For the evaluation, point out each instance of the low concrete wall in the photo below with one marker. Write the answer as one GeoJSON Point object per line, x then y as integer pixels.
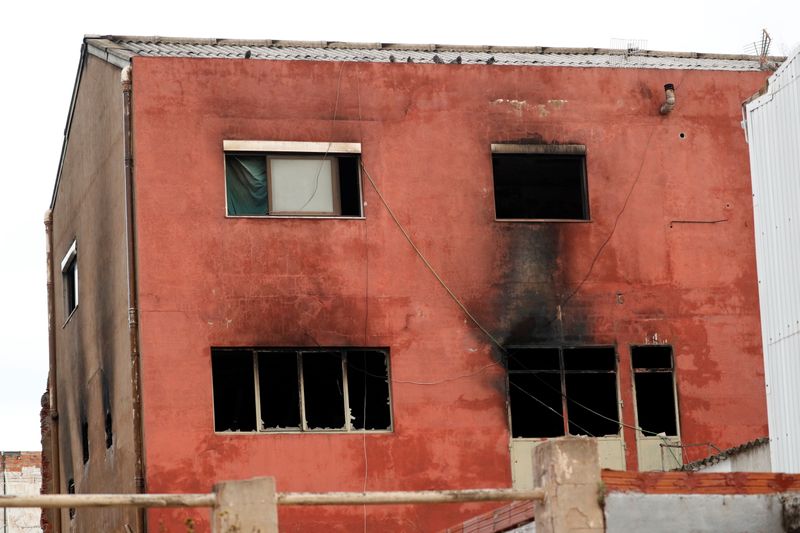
{"type": "Point", "coordinates": [700, 513]}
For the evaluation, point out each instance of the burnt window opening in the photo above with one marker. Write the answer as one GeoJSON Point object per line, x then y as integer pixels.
{"type": "Point", "coordinates": [71, 490]}
{"type": "Point", "coordinates": [368, 389]}
{"type": "Point", "coordinates": [292, 184]}
{"type": "Point", "coordinates": [554, 391]}
{"type": "Point", "coordinates": [69, 278]}
{"type": "Point", "coordinates": [234, 393]}
{"type": "Point", "coordinates": [654, 383]}
{"type": "Point", "coordinates": [109, 430]}
{"type": "Point", "coordinates": [298, 389]}
{"type": "Point", "coordinates": [540, 182]}
{"type": "Point", "coordinates": [85, 441]}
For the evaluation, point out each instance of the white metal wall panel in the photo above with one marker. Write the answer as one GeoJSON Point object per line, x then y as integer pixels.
{"type": "Point", "coordinates": [773, 131]}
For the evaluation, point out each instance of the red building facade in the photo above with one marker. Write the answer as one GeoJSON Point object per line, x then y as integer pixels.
{"type": "Point", "coordinates": [431, 311]}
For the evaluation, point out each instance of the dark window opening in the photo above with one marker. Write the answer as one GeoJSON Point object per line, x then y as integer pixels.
{"type": "Point", "coordinates": [551, 386]}
{"type": "Point", "coordinates": [234, 394]}
{"type": "Point", "coordinates": [536, 405]}
{"type": "Point", "coordinates": [534, 359]}
{"type": "Point", "coordinates": [71, 490]}
{"type": "Point", "coordinates": [592, 404]}
{"type": "Point", "coordinates": [279, 390]}
{"type": "Point", "coordinates": [652, 357]}
{"type": "Point", "coordinates": [321, 389]}
{"type": "Point", "coordinates": [85, 441]}
{"type": "Point", "coordinates": [262, 184]}
{"type": "Point", "coordinates": [654, 381]}
{"type": "Point", "coordinates": [541, 186]}
{"type": "Point", "coordinates": [590, 358]}
{"type": "Point", "coordinates": [69, 278]}
{"type": "Point", "coordinates": [368, 389]}
{"type": "Point", "coordinates": [109, 430]}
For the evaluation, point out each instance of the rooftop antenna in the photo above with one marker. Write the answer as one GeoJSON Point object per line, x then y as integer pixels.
{"type": "Point", "coordinates": [760, 48]}
{"type": "Point", "coordinates": [630, 47]}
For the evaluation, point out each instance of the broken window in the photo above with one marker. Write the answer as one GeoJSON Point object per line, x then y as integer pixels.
{"type": "Point", "coordinates": [85, 440]}
{"type": "Point", "coordinates": [71, 490]}
{"type": "Point", "coordinates": [654, 382]}
{"type": "Point", "coordinates": [292, 179]}
{"type": "Point", "coordinates": [69, 277]}
{"type": "Point", "coordinates": [555, 391]}
{"type": "Point", "coordinates": [109, 430]}
{"type": "Point", "coordinates": [299, 389]}
{"type": "Point", "coordinates": [540, 182]}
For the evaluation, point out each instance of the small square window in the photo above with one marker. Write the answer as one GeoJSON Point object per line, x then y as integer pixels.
{"type": "Point", "coordinates": [69, 277]}
{"type": "Point", "coordinates": [540, 182]}
{"type": "Point", "coordinates": [292, 179]}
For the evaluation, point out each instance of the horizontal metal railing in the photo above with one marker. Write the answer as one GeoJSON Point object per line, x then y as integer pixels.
{"type": "Point", "coordinates": [46, 501]}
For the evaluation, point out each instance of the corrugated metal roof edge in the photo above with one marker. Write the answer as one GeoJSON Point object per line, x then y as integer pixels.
{"type": "Point", "coordinates": [755, 101]}
{"type": "Point", "coordinates": [115, 46]}
{"type": "Point", "coordinates": [725, 454]}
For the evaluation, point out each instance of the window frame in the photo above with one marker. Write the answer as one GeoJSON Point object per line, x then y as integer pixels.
{"type": "Point", "coordinates": [304, 429]}
{"type": "Point", "coordinates": [544, 149]}
{"type": "Point", "coordinates": [69, 280]}
{"type": "Point", "coordinates": [659, 370]}
{"type": "Point", "coordinates": [562, 373]}
{"type": "Point", "coordinates": [299, 150]}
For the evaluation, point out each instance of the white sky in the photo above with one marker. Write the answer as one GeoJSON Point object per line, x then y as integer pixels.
{"type": "Point", "coordinates": [39, 57]}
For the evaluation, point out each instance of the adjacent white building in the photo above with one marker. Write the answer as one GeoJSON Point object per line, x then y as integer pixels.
{"type": "Point", "coordinates": [772, 125]}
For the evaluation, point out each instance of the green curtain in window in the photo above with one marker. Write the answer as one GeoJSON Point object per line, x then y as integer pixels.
{"type": "Point", "coordinates": [246, 184]}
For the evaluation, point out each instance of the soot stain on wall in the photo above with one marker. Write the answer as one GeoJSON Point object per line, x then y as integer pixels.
{"type": "Point", "coordinates": [530, 288]}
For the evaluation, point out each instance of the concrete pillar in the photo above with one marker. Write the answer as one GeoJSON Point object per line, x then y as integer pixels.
{"type": "Point", "coordinates": [568, 469]}
{"type": "Point", "coordinates": [246, 506]}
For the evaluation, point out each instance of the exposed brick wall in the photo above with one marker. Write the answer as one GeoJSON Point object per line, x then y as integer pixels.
{"type": "Point", "coordinates": [16, 461]}
{"type": "Point", "coordinates": [47, 474]}
{"type": "Point", "coordinates": [21, 476]}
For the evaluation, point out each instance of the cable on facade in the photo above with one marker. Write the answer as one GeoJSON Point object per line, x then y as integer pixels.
{"type": "Point", "coordinates": [614, 226]}
{"type": "Point", "coordinates": [472, 317]}
{"type": "Point", "coordinates": [328, 149]}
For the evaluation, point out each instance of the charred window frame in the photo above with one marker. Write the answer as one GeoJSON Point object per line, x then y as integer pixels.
{"type": "Point", "coordinates": [292, 179]}
{"type": "Point", "coordinates": [71, 490]}
{"type": "Point", "coordinates": [69, 279]}
{"type": "Point", "coordinates": [655, 389]}
{"type": "Point", "coordinates": [280, 390]}
{"type": "Point", "coordinates": [550, 389]}
{"type": "Point", "coordinates": [534, 182]}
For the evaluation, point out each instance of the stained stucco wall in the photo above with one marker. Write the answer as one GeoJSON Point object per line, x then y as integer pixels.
{"type": "Point", "coordinates": [667, 257]}
{"type": "Point", "coordinates": [93, 363]}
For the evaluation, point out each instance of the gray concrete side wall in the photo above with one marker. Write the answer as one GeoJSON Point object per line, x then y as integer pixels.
{"type": "Point", "coordinates": [706, 513]}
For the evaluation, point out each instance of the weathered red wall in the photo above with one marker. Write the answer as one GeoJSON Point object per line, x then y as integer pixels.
{"type": "Point", "coordinates": [425, 130]}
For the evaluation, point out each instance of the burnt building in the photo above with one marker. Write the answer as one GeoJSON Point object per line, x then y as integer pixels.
{"type": "Point", "coordinates": [394, 267]}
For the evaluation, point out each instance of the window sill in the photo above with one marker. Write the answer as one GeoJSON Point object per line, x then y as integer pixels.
{"type": "Point", "coordinates": [310, 432]}
{"type": "Point", "coordinates": [545, 220]}
{"type": "Point", "coordinates": [69, 317]}
{"type": "Point", "coordinates": [293, 217]}
{"type": "Point", "coordinates": [613, 436]}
